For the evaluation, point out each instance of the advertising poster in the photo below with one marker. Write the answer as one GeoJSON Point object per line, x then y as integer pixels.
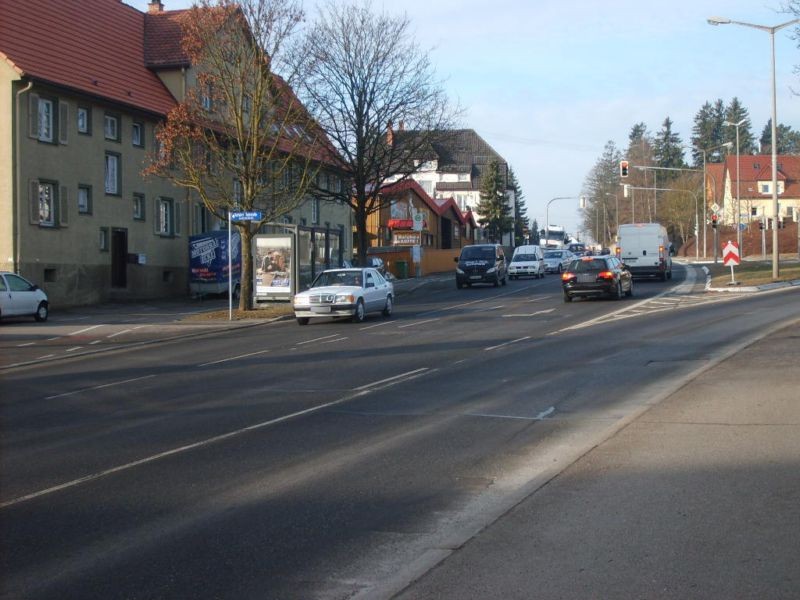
{"type": "Point", "coordinates": [208, 257]}
{"type": "Point", "coordinates": [273, 265]}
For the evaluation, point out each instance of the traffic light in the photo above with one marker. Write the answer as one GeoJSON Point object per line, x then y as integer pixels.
{"type": "Point", "coordinates": [623, 168]}
{"type": "Point", "coordinates": [713, 221]}
{"type": "Point", "coordinates": [761, 225]}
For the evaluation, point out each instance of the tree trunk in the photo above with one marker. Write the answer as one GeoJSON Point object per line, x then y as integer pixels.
{"type": "Point", "coordinates": [363, 240]}
{"type": "Point", "coordinates": [246, 282]}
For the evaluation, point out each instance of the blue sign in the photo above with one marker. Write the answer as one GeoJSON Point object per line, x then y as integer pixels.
{"type": "Point", "coordinates": [246, 215]}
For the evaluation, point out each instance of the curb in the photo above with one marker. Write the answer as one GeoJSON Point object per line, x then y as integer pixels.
{"type": "Point", "coordinates": [749, 289]}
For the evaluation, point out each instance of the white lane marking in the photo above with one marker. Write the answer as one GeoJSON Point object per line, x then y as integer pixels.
{"type": "Point", "coordinates": [533, 314]}
{"type": "Point", "coordinates": [223, 360]}
{"type": "Point", "coordinates": [95, 342]}
{"type": "Point", "coordinates": [53, 339]}
{"type": "Point", "coordinates": [374, 326]}
{"type": "Point", "coordinates": [26, 344]}
{"type": "Point", "coordinates": [84, 330]}
{"type": "Point", "coordinates": [540, 417]}
{"type": "Point", "coordinates": [522, 339]}
{"type": "Point", "coordinates": [113, 335]}
{"type": "Point", "coordinates": [73, 349]}
{"type": "Point", "coordinates": [537, 299]}
{"type": "Point", "coordinates": [358, 392]}
{"type": "Point", "coordinates": [390, 379]}
{"type": "Point", "coordinates": [316, 339]}
{"type": "Point", "coordinates": [417, 323]}
{"type": "Point", "coordinates": [98, 387]}
{"type": "Point", "coordinates": [43, 357]}
{"type": "Point", "coordinates": [341, 339]}
{"type": "Point", "coordinates": [546, 413]}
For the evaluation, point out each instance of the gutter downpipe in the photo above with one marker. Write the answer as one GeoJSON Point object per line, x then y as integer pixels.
{"type": "Point", "coordinates": [17, 210]}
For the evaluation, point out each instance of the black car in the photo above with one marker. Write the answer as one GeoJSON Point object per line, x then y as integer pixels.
{"type": "Point", "coordinates": [481, 263]}
{"type": "Point", "coordinates": [596, 276]}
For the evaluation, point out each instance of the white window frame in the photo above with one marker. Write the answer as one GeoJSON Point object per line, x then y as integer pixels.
{"type": "Point", "coordinates": [84, 120]}
{"type": "Point", "coordinates": [137, 134]}
{"type": "Point", "coordinates": [46, 120]}
{"type": "Point", "coordinates": [103, 242]}
{"type": "Point", "coordinates": [111, 127]}
{"type": "Point", "coordinates": [84, 199]}
{"type": "Point", "coordinates": [166, 216]}
{"type": "Point", "coordinates": [139, 207]}
{"type": "Point", "coordinates": [47, 206]}
{"type": "Point", "coordinates": [112, 174]}
{"type": "Point", "coordinates": [315, 211]}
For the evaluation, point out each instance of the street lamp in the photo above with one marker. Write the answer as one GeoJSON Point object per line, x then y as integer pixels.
{"type": "Point", "coordinates": [771, 31]}
{"type": "Point", "coordinates": [547, 213]}
{"type": "Point", "coordinates": [738, 178]}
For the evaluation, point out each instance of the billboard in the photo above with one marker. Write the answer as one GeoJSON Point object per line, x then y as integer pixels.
{"type": "Point", "coordinates": [273, 265]}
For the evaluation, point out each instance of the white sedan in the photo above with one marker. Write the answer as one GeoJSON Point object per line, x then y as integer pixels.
{"type": "Point", "coordinates": [345, 293]}
{"type": "Point", "coordinates": [556, 261]}
{"type": "Point", "coordinates": [20, 297]}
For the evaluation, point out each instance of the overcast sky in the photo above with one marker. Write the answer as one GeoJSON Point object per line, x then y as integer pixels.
{"type": "Point", "coordinates": [547, 83]}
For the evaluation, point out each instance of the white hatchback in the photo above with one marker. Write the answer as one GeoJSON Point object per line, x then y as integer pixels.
{"type": "Point", "coordinates": [20, 297]}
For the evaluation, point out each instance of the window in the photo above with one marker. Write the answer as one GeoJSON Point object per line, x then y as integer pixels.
{"type": "Point", "coordinates": [206, 100]}
{"type": "Point", "coordinates": [84, 120]}
{"type": "Point", "coordinates": [315, 211]}
{"type": "Point", "coordinates": [463, 176]}
{"type": "Point", "coordinates": [103, 239]}
{"type": "Point", "coordinates": [754, 211]}
{"type": "Point", "coordinates": [166, 217]}
{"type": "Point", "coordinates": [111, 127]}
{"type": "Point", "coordinates": [137, 134]}
{"type": "Point", "coordinates": [765, 188]}
{"type": "Point", "coordinates": [237, 192]}
{"type": "Point", "coordinates": [113, 175]}
{"type": "Point", "coordinates": [84, 199]}
{"type": "Point", "coordinates": [138, 207]}
{"type": "Point", "coordinates": [46, 120]}
{"type": "Point", "coordinates": [47, 204]}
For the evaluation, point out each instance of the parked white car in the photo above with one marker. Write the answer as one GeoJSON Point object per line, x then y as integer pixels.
{"type": "Point", "coordinates": [20, 297]}
{"type": "Point", "coordinates": [345, 293]}
{"type": "Point", "coordinates": [556, 261]}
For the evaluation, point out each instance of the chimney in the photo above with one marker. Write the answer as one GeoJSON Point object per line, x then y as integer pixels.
{"type": "Point", "coordinates": [155, 7]}
{"type": "Point", "coordinates": [389, 134]}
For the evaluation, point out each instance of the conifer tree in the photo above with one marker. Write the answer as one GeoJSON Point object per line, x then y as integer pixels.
{"type": "Point", "coordinates": [493, 211]}
{"type": "Point", "coordinates": [735, 113]}
{"type": "Point", "coordinates": [520, 219]}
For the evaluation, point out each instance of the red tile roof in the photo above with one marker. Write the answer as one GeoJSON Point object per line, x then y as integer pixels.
{"type": "Point", "coordinates": [438, 206]}
{"type": "Point", "coordinates": [163, 35]}
{"type": "Point", "coordinates": [755, 168]}
{"type": "Point", "coordinates": [90, 46]}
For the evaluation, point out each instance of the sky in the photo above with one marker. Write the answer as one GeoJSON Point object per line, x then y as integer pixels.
{"type": "Point", "coordinates": [548, 83]}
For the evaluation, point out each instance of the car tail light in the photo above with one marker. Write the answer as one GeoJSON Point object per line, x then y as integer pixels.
{"type": "Point", "coordinates": [566, 276]}
{"type": "Point", "coordinates": [605, 275]}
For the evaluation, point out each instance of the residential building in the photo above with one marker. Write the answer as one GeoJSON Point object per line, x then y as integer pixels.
{"type": "Point", "coordinates": [79, 109]}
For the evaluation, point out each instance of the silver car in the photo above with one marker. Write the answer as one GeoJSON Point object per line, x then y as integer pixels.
{"type": "Point", "coordinates": [349, 293]}
{"type": "Point", "coordinates": [20, 297]}
{"type": "Point", "coordinates": [556, 261]}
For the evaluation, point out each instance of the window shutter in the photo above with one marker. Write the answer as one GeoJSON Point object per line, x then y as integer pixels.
{"type": "Point", "coordinates": [156, 216]}
{"type": "Point", "coordinates": [63, 206]}
{"type": "Point", "coordinates": [33, 201]}
{"type": "Point", "coordinates": [177, 209]}
{"type": "Point", "coordinates": [33, 117]}
{"type": "Point", "coordinates": [63, 121]}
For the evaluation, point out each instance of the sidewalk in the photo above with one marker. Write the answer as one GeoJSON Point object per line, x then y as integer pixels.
{"type": "Point", "coordinates": [697, 498]}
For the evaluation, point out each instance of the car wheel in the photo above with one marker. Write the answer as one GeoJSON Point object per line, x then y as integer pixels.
{"type": "Point", "coordinates": [629, 293]}
{"type": "Point", "coordinates": [41, 312]}
{"type": "Point", "coordinates": [302, 320]}
{"type": "Point", "coordinates": [505, 280]}
{"type": "Point", "coordinates": [387, 310]}
{"type": "Point", "coordinates": [669, 274]}
{"type": "Point", "coordinates": [567, 297]}
{"type": "Point", "coordinates": [360, 313]}
{"type": "Point", "coordinates": [560, 268]}
{"type": "Point", "coordinates": [618, 294]}
{"type": "Point", "coordinates": [459, 285]}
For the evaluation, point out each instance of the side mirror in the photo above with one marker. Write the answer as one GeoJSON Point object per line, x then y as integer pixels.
{"type": "Point", "coordinates": [34, 287]}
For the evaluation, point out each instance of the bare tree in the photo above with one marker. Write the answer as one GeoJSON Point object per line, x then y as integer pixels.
{"type": "Point", "coordinates": [362, 73]}
{"type": "Point", "coordinates": [240, 139]}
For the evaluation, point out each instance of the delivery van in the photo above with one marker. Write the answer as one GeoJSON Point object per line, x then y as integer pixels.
{"type": "Point", "coordinates": [645, 249]}
{"type": "Point", "coordinates": [526, 261]}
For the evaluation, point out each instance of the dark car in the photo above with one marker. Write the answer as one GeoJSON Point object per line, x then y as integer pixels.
{"type": "Point", "coordinates": [481, 263]}
{"type": "Point", "coordinates": [596, 276]}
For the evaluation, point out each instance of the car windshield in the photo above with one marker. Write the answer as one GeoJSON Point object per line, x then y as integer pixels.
{"type": "Point", "coordinates": [340, 278]}
{"type": "Point", "coordinates": [523, 258]}
{"type": "Point", "coordinates": [588, 266]}
{"type": "Point", "coordinates": [477, 253]}
{"type": "Point", "coordinates": [552, 254]}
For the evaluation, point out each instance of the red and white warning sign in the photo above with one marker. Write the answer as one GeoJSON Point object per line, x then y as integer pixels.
{"type": "Point", "coordinates": [730, 254]}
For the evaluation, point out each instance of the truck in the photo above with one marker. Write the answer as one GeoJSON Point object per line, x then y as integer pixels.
{"type": "Point", "coordinates": [553, 236]}
{"type": "Point", "coordinates": [645, 249]}
{"type": "Point", "coordinates": [208, 263]}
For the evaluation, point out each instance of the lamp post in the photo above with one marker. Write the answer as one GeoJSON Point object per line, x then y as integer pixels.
{"type": "Point", "coordinates": [547, 213]}
{"type": "Point", "coordinates": [738, 179]}
{"type": "Point", "coordinates": [771, 31]}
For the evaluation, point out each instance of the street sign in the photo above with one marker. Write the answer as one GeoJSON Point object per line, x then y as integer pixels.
{"type": "Point", "coordinates": [730, 254]}
{"type": "Point", "coordinates": [246, 215]}
{"type": "Point", "coordinates": [715, 207]}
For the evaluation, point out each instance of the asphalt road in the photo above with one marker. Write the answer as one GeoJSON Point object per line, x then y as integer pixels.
{"type": "Point", "coordinates": [333, 460]}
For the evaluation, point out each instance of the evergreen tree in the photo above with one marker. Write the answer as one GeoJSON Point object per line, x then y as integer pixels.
{"type": "Point", "coordinates": [668, 149]}
{"type": "Point", "coordinates": [735, 113]}
{"type": "Point", "coordinates": [600, 187]}
{"type": "Point", "coordinates": [788, 140]}
{"type": "Point", "coordinates": [494, 214]}
{"type": "Point", "coordinates": [520, 219]}
{"type": "Point", "coordinates": [707, 133]}
{"type": "Point", "coordinates": [535, 236]}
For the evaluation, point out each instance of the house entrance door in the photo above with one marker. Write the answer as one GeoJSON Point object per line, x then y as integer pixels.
{"type": "Point", "coordinates": [119, 258]}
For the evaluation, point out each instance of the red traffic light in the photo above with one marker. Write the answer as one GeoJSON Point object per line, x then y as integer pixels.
{"type": "Point", "coordinates": [623, 168]}
{"type": "Point", "coordinates": [714, 221]}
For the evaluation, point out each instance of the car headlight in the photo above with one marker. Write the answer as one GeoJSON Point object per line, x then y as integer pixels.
{"type": "Point", "coordinates": [492, 270]}
{"type": "Point", "coordinates": [345, 299]}
{"type": "Point", "coordinates": [459, 271]}
{"type": "Point", "coordinates": [301, 300]}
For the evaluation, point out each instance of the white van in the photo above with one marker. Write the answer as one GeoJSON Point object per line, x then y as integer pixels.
{"type": "Point", "coordinates": [645, 250]}
{"type": "Point", "coordinates": [526, 260]}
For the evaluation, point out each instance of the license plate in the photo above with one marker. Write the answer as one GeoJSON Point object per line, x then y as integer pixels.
{"type": "Point", "coordinates": [475, 276]}
{"type": "Point", "coordinates": [587, 278]}
{"type": "Point", "coordinates": [320, 310]}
